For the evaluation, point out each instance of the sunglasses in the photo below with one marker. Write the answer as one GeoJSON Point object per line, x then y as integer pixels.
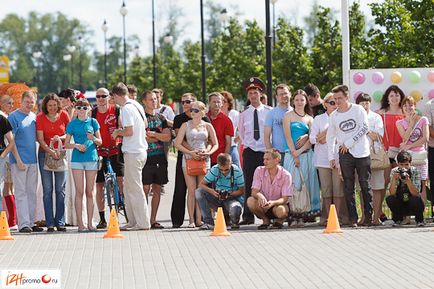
{"type": "Point", "coordinates": [82, 107]}
{"type": "Point", "coordinates": [101, 95]}
{"type": "Point", "coordinates": [186, 101]}
{"type": "Point", "coordinates": [195, 110]}
{"type": "Point", "coordinates": [331, 102]}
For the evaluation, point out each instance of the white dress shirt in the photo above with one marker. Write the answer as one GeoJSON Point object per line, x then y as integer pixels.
{"type": "Point", "coordinates": [320, 124]}
{"type": "Point", "coordinates": [245, 127]}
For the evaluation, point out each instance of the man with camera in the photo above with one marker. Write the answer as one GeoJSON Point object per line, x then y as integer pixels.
{"type": "Point", "coordinates": [222, 186]}
{"type": "Point", "coordinates": [404, 188]}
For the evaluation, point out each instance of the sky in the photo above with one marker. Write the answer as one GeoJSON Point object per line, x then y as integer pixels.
{"type": "Point", "coordinates": [139, 18]}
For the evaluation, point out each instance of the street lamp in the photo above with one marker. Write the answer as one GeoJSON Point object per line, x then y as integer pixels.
{"type": "Point", "coordinates": [168, 39]}
{"type": "Point", "coordinates": [202, 38]}
{"type": "Point", "coordinates": [274, 22]}
{"type": "Point", "coordinates": [71, 49]}
{"type": "Point", "coordinates": [269, 60]}
{"type": "Point", "coordinates": [80, 66]}
{"type": "Point", "coordinates": [154, 56]}
{"type": "Point", "coordinates": [223, 17]}
{"type": "Point", "coordinates": [104, 28]}
{"type": "Point", "coordinates": [124, 12]}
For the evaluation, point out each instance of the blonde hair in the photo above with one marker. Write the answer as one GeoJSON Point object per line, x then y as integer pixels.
{"type": "Point", "coordinates": [328, 95]}
{"type": "Point", "coordinates": [275, 154]}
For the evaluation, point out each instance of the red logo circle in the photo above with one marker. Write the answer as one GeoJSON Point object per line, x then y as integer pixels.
{"type": "Point", "coordinates": [46, 279]}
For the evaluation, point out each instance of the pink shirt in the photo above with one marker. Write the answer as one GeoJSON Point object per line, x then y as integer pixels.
{"type": "Point", "coordinates": [417, 132]}
{"type": "Point", "coordinates": [280, 187]}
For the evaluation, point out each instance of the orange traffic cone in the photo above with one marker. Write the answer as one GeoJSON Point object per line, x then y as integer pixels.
{"type": "Point", "coordinates": [113, 230]}
{"type": "Point", "coordinates": [5, 234]}
{"type": "Point", "coordinates": [220, 225]}
{"type": "Point", "coordinates": [333, 222]}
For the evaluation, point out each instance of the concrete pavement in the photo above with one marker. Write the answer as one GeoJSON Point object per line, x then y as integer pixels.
{"type": "Point", "coordinates": [188, 258]}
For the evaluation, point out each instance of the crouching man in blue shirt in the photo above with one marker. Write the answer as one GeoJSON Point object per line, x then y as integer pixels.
{"type": "Point", "coordinates": [222, 186]}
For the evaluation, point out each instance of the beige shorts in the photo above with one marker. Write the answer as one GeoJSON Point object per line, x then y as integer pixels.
{"type": "Point", "coordinates": [8, 176]}
{"type": "Point", "coordinates": [331, 183]}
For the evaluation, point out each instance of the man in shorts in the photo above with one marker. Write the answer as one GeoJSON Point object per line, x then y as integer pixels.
{"type": "Point", "coordinates": [155, 171]}
{"type": "Point", "coordinates": [107, 116]}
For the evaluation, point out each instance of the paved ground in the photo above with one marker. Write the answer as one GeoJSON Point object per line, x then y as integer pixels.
{"type": "Point", "coordinates": [187, 258]}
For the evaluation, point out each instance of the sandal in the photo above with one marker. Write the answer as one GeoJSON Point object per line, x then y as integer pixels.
{"type": "Point", "coordinates": [263, 226]}
{"type": "Point", "coordinates": [157, 226]}
{"type": "Point", "coordinates": [191, 225]}
{"type": "Point", "coordinates": [277, 225]}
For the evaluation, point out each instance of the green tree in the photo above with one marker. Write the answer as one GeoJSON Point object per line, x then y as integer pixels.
{"type": "Point", "coordinates": [358, 37]}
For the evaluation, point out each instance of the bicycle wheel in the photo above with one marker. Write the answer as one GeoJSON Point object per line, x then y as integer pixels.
{"type": "Point", "coordinates": [110, 194]}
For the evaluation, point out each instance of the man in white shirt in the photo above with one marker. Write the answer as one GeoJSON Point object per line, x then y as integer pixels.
{"type": "Point", "coordinates": [134, 147]}
{"type": "Point", "coordinates": [251, 131]}
{"type": "Point", "coordinates": [348, 128]}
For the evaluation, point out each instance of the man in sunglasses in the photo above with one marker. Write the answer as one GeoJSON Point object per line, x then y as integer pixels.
{"type": "Point", "coordinates": [178, 204]}
{"type": "Point", "coordinates": [273, 128]}
{"type": "Point", "coordinates": [222, 186]}
{"type": "Point", "coordinates": [107, 116]}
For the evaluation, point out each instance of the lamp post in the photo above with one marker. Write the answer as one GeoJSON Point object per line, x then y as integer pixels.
{"type": "Point", "coordinates": [203, 52]}
{"type": "Point", "coordinates": [71, 50]}
{"type": "Point", "coordinates": [80, 65]}
{"type": "Point", "coordinates": [268, 48]}
{"type": "Point", "coordinates": [104, 28]}
{"type": "Point", "coordinates": [223, 17]}
{"type": "Point", "coordinates": [37, 55]}
{"type": "Point", "coordinates": [154, 55]}
{"type": "Point", "coordinates": [66, 58]}
{"type": "Point", "coordinates": [274, 22]}
{"type": "Point", "coordinates": [124, 12]}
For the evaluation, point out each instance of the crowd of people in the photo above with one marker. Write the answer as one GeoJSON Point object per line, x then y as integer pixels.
{"type": "Point", "coordinates": [287, 163]}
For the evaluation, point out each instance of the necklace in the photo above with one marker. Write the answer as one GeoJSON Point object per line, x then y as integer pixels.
{"type": "Point", "coordinates": [299, 114]}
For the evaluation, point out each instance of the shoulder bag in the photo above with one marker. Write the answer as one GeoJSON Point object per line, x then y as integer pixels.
{"type": "Point", "coordinates": [51, 164]}
{"type": "Point", "coordinates": [300, 201]}
{"type": "Point", "coordinates": [379, 159]}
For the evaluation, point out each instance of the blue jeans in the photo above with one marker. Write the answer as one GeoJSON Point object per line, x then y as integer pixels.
{"type": "Point", "coordinates": [235, 156]}
{"type": "Point", "coordinates": [207, 201]}
{"type": "Point", "coordinates": [47, 188]}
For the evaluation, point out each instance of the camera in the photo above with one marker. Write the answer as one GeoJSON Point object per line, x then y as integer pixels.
{"type": "Point", "coordinates": [403, 173]}
{"type": "Point", "coordinates": [223, 194]}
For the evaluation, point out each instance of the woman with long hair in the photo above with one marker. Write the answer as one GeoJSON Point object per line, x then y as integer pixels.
{"type": "Point", "coordinates": [201, 142]}
{"type": "Point", "coordinates": [299, 160]}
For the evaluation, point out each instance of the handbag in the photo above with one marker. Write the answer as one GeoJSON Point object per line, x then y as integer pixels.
{"type": "Point", "coordinates": [392, 152]}
{"type": "Point", "coordinates": [196, 167]}
{"type": "Point", "coordinates": [59, 165]}
{"type": "Point", "coordinates": [380, 158]}
{"type": "Point", "coordinates": [300, 202]}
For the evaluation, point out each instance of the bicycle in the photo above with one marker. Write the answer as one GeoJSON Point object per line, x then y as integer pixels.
{"type": "Point", "coordinates": [115, 199]}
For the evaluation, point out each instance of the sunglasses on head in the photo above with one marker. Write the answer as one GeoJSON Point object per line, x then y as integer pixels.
{"type": "Point", "coordinates": [188, 101]}
{"type": "Point", "coordinates": [195, 110]}
{"type": "Point", "coordinates": [331, 102]}
{"type": "Point", "coordinates": [82, 107]}
{"type": "Point", "coordinates": [101, 95]}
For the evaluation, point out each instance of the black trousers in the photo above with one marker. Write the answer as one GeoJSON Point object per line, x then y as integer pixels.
{"type": "Point", "coordinates": [178, 203]}
{"type": "Point", "coordinates": [414, 206]}
{"type": "Point", "coordinates": [349, 165]}
{"type": "Point", "coordinates": [251, 160]}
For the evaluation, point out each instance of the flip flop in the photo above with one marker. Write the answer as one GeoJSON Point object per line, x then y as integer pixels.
{"type": "Point", "coordinates": [157, 226]}
{"type": "Point", "coordinates": [263, 226]}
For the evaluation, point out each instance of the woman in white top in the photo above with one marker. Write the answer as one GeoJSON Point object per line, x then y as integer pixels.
{"type": "Point", "coordinates": [234, 115]}
{"type": "Point", "coordinates": [375, 134]}
{"type": "Point", "coordinates": [332, 186]}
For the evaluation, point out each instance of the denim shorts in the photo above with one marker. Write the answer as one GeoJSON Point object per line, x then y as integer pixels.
{"type": "Point", "coordinates": [85, 166]}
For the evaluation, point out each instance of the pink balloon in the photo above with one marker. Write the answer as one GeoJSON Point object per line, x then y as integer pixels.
{"type": "Point", "coordinates": [431, 94]}
{"type": "Point", "coordinates": [355, 95]}
{"type": "Point", "coordinates": [359, 78]}
{"type": "Point", "coordinates": [378, 77]}
{"type": "Point", "coordinates": [431, 76]}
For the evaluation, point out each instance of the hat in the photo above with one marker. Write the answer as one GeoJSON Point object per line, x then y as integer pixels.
{"type": "Point", "coordinates": [254, 82]}
{"type": "Point", "coordinates": [79, 95]}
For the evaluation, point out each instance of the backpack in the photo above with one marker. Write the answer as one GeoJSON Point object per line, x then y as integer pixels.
{"type": "Point", "coordinates": [117, 112]}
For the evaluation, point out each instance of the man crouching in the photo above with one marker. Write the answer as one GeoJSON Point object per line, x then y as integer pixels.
{"type": "Point", "coordinates": [271, 189]}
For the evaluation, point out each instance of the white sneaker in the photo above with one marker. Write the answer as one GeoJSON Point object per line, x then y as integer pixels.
{"type": "Point", "coordinates": [206, 226]}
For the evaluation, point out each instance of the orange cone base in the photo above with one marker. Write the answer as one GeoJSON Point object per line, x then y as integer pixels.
{"type": "Point", "coordinates": [5, 234]}
{"type": "Point", "coordinates": [333, 231]}
{"type": "Point", "coordinates": [220, 225]}
{"type": "Point", "coordinates": [113, 236]}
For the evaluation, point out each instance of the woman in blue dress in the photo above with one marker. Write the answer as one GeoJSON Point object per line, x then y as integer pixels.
{"type": "Point", "coordinates": [296, 126]}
